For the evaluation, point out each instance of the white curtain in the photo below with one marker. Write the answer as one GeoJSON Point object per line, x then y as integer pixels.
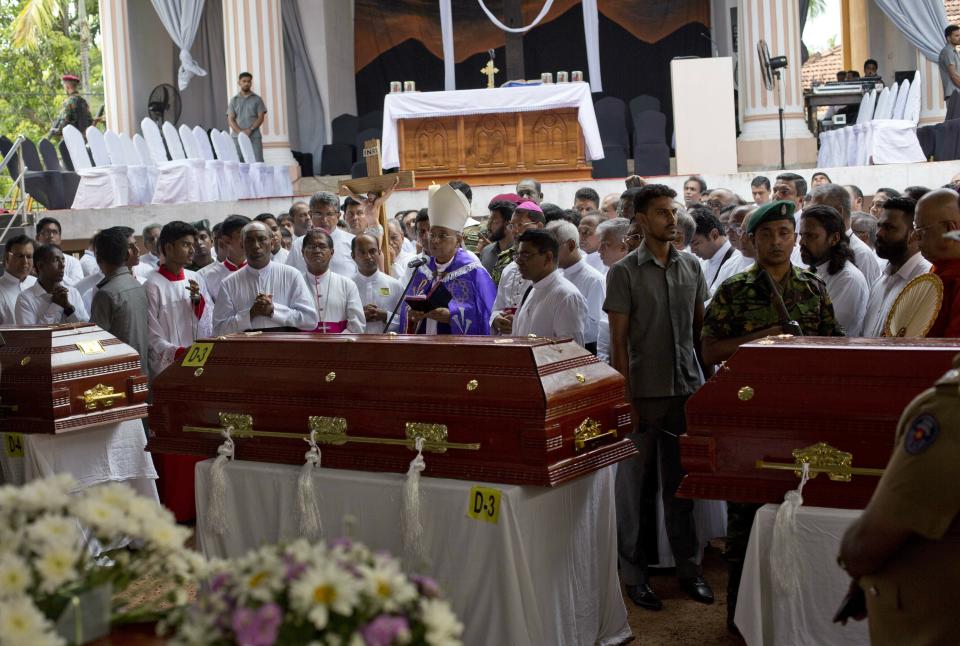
{"type": "Point", "coordinates": [181, 19]}
{"type": "Point", "coordinates": [446, 32]}
{"type": "Point", "coordinates": [591, 31]}
{"type": "Point", "coordinates": [921, 22]}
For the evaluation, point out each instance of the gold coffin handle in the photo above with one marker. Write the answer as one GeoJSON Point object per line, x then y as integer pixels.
{"type": "Point", "coordinates": [333, 430]}
{"type": "Point", "coordinates": [241, 426]}
{"type": "Point", "coordinates": [102, 395]}
{"type": "Point", "coordinates": [822, 458]}
{"type": "Point", "coordinates": [589, 433]}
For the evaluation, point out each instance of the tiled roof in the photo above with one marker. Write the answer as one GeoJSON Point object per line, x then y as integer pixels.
{"type": "Point", "coordinates": [953, 11]}
{"type": "Point", "coordinates": [823, 66]}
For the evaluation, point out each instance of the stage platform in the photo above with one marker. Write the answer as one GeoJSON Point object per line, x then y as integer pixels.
{"type": "Point", "coordinates": [79, 225]}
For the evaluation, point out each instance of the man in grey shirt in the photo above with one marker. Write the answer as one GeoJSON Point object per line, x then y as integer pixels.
{"type": "Point", "coordinates": [949, 64]}
{"type": "Point", "coordinates": [654, 302]}
{"type": "Point", "coordinates": [120, 304]}
{"type": "Point", "coordinates": [246, 113]}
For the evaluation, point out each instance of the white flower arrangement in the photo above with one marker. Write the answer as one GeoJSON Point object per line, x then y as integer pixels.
{"type": "Point", "coordinates": [301, 593]}
{"type": "Point", "coordinates": [46, 560]}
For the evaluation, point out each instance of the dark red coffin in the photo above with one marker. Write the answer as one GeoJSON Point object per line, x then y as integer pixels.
{"type": "Point", "coordinates": [777, 402]}
{"type": "Point", "coordinates": [525, 411]}
{"type": "Point", "coordinates": [64, 378]}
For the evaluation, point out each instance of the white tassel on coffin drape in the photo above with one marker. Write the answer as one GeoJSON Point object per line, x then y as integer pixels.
{"type": "Point", "coordinates": [311, 526]}
{"type": "Point", "coordinates": [216, 508]}
{"type": "Point", "coordinates": [410, 521]}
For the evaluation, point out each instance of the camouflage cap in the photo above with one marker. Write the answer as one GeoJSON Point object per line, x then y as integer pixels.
{"type": "Point", "coordinates": [779, 210]}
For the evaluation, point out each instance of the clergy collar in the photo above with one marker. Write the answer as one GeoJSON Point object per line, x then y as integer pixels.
{"type": "Point", "coordinates": [232, 267]}
{"type": "Point", "coordinates": [169, 275]}
{"type": "Point", "coordinates": [320, 276]}
{"type": "Point", "coordinates": [369, 278]}
{"type": "Point", "coordinates": [254, 270]}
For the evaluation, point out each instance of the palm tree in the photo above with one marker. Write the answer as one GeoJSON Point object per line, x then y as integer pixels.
{"type": "Point", "coordinates": [37, 18]}
{"type": "Point", "coordinates": [816, 7]}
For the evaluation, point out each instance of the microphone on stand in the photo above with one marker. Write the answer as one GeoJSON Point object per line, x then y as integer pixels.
{"type": "Point", "coordinates": [417, 262]}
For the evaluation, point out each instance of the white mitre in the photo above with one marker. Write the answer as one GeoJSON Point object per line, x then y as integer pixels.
{"type": "Point", "coordinates": [447, 208]}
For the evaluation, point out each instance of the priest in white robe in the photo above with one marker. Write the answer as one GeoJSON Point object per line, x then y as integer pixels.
{"type": "Point", "coordinates": [179, 309]}
{"type": "Point", "coordinates": [262, 295]}
{"type": "Point", "coordinates": [400, 269]}
{"type": "Point", "coordinates": [231, 243]}
{"type": "Point", "coordinates": [379, 293]}
{"type": "Point", "coordinates": [49, 301]}
{"type": "Point", "coordinates": [16, 278]}
{"type": "Point", "coordinates": [335, 297]}
{"type": "Point", "coordinates": [591, 284]}
{"type": "Point", "coordinates": [325, 213]}
{"type": "Point", "coordinates": [554, 308]}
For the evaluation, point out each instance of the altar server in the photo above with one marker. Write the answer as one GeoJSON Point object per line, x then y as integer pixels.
{"type": "Point", "coordinates": [379, 293]}
{"type": "Point", "coordinates": [335, 297]}
{"type": "Point", "coordinates": [589, 282]}
{"type": "Point", "coordinates": [231, 244]}
{"type": "Point", "coordinates": [49, 300]}
{"type": "Point", "coordinates": [325, 213]}
{"type": "Point", "coordinates": [554, 307]}
{"type": "Point", "coordinates": [17, 266]}
{"type": "Point", "coordinates": [461, 275]}
{"type": "Point", "coordinates": [263, 294]}
{"type": "Point", "coordinates": [180, 310]}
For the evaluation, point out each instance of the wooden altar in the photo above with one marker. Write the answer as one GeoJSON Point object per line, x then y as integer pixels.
{"type": "Point", "coordinates": [500, 148]}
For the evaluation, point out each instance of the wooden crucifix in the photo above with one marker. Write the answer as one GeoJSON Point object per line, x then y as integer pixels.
{"type": "Point", "coordinates": [372, 192]}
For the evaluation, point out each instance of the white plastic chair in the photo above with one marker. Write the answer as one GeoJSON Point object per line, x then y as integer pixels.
{"type": "Point", "coordinates": [226, 150]}
{"type": "Point", "coordinates": [136, 173]}
{"type": "Point", "coordinates": [178, 180]}
{"type": "Point", "coordinates": [100, 187]}
{"type": "Point", "coordinates": [261, 175]}
{"type": "Point", "coordinates": [192, 149]}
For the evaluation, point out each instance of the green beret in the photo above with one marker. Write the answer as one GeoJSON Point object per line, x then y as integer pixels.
{"type": "Point", "coordinates": [779, 210]}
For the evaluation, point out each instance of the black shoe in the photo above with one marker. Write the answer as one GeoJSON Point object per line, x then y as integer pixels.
{"type": "Point", "coordinates": [697, 589]}
{"type": "Point", "coordinates": [644, 596]}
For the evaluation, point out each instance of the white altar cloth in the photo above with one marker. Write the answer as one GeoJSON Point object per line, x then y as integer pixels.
{"type": "Point", "coordinates": [769, 617]}
{"type": "Point", "coordinates": [545, 573]}
{"type": "Point", "coordinates": [420, 105]}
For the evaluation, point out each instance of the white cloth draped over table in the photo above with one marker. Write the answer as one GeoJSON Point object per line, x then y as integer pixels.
{"type": "Point", "coordinates": [419, 105]}
{"type": "Point", "coordinates": [545, 573]}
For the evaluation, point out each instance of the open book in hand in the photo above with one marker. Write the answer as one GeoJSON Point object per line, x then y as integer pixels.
{"type": "Point", "coordinates": [437, 297]}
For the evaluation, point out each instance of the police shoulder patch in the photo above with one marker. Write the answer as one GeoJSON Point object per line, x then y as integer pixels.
{"type": "Point", "coordinates": [921, 433]}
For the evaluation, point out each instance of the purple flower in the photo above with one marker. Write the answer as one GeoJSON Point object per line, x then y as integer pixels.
{"type": "Point", "coordinates": [426, 586]}
{"type": "Point", "coordinates": [343, 542]}
{"type": "Point", "coordinates": [219, 581]}
{"type": "Point", "coordinates": [294, 569]}
{"type": "Point", "coordinates": [257, 627]}
{"type": "Point", "coordinates": [385, 630]}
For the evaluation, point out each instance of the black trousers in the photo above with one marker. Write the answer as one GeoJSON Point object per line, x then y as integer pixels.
{"type": "Point", "coordinates": [662, 421]}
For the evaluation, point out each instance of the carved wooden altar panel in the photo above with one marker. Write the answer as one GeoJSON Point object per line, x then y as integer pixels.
{"type": "Point", "coordinates": [494, 148]}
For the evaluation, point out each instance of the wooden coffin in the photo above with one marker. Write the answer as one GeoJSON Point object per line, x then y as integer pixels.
{"type": "Point", "coordinates": [64, 378]}
{"type": "Point", "coordinates": [778, 402]}
{"type": "Point", "coordinates": [524, 411]}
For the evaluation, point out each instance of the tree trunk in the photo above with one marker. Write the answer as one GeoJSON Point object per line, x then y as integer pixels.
{"type": "Point", "coordinates": [84, 45]}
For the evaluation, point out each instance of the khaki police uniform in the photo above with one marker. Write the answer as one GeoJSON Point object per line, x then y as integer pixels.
{"type": "Point", "coordinates": [913, 599]}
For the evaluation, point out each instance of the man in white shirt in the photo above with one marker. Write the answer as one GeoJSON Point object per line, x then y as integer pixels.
{"type": "Point", "coordinates": [527, 216]}
{"type": "Point", "coordinates": [48, 232]}
{"type": "Point", "coordinates": [710, 243]}
{"type": "Point", "coordinates": [16, 278]}
{"type": "Point", "coordinates": [151, 235]}
{"type": "Point", "coordinates": [554, 308]}
{"type": "Point", "coordinates": [865, 259]}
{"type": "Point", "coordinates": [395, 238]}
{"type": "Point", "coordinates": [737, 234]}
{"type": "Point", "coordinates": [262, 295]}
{"type": "Point", "coordinates": [277, 253]}
{"type": "Point", "coordinates": [49, 301]}
{"type": "Point", "coordinates": [87, 286]}
{"type": "Point", "coordinates": [590, 241]}
{"type": "Point", "coordinates": [88, 261]}
{"type": "Point", "coordinates": [179, 309]}
{"type": "Point", "coordinates": [824, 247]}
{"type": "Point", "coordinates": [302, 220]}
{"type": "Point", "coordinates": [897, 244]}
{"type": "Point", "coordinates": [379, 293]}
{"type": "Point", "coordinates": [589, 282]}
{"type": "Point", "coordinates": [335, 297]}
{"type": "Point", "coordinates": [325, 211]}
{"type": "Point", "coordinates": [231, 244]}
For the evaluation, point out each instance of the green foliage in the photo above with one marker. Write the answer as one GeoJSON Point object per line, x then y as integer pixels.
{"type": "Point", "coordinates": [816, 7]}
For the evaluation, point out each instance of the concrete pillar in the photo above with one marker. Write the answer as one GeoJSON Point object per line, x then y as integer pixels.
{"type": "Point", "coordinates": [117, 77]}
{"type": "Point", "coordinates": [778, 23]}
{"type": "Point", "coordinates": [932, 107]}
{"type": "Point", "coordinates": [253, 42]}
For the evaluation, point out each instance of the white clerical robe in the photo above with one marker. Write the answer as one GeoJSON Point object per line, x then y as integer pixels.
{"type": "Point", "coordinates": [592, 285]}
{"type": "Point", "coordinates": [383, 291]}
{"type": "Point", "coordinates": [151, 260]}
{"type": "Point", "coordinates": [553, 309]}
{"type": "Point", "coordinates": [594, 260]}
{"type": "Point", "coordinates": [10, 289]}
{"type": "Point", "coordinates": [400, 270]}
{"type": "Point", "coordinates": [88, 263]}
{"type": "Point", "coordinates": [292, 303]}
{"type": "Point", "coordinates": [215, 273]}
{"type": "Point", "coordinates": [173, 321]}
{"type": "Point", "coordinates": [36, 307]}
{"type": "Point", "coordinates": [848, 292]}
{"type": "Point", "coordinates": [865, 258]}
{"type": "Point", "coordinates": [885, 291]}
{"type": "Point", "coordinates": [72, 270]}
{"type": "Point", "coordinates": [510, 292]}
{"type": "Point", "coordinates": [721, 266]}
{"type": "Point", "coordinates": [337, 302]}
{"type": "Point", "coordinates": [341, 262]}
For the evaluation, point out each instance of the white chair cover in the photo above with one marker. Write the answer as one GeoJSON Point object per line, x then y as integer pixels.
{"type": "Point", "coordinates": [870, 106]}
{"type": "Point", "coordinates": [178, 180]}
{"type": "Point", "coordinates": [884, 105]}
{"type": "Point", "coordinates": [77, 148]}
{"type": "Point", "coordinates": [238, 173]}
{"type": "Point", "coordinates": [98, 147]}
{"type": "Point", "coordinates": [174, 145]}
{"type": "Point", "coordinates": [911, 111]}
{"type": "Point", "coordinates": [212, 187]}
{"type": "Point", "coordinates": [282, 185]}
{"type": "Point", "coordinates": [203, 142]}
{"type": "Point", "coordinates": [902, 95]}
{"type": "Point", "coordinates": [894, 141]}
{"type": "Point", "coordinates": [862, 114]}
{"type": "Point", "coordinates": [134, 158]}
{"type": "Point", "coordinates": [261, 176]}
{"type": "Point", "coordinates": [143, 150]}
{"type": "Point", "coordinates": [140, 192]}
{"type": "Point", "coordinates": [100, 187]}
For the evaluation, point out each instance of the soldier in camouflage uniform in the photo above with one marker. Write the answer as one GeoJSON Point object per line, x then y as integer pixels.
{"type": "Point", "coordinates": [745, 308]}
{"type": "Point", "coordinates": [75, 110]}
